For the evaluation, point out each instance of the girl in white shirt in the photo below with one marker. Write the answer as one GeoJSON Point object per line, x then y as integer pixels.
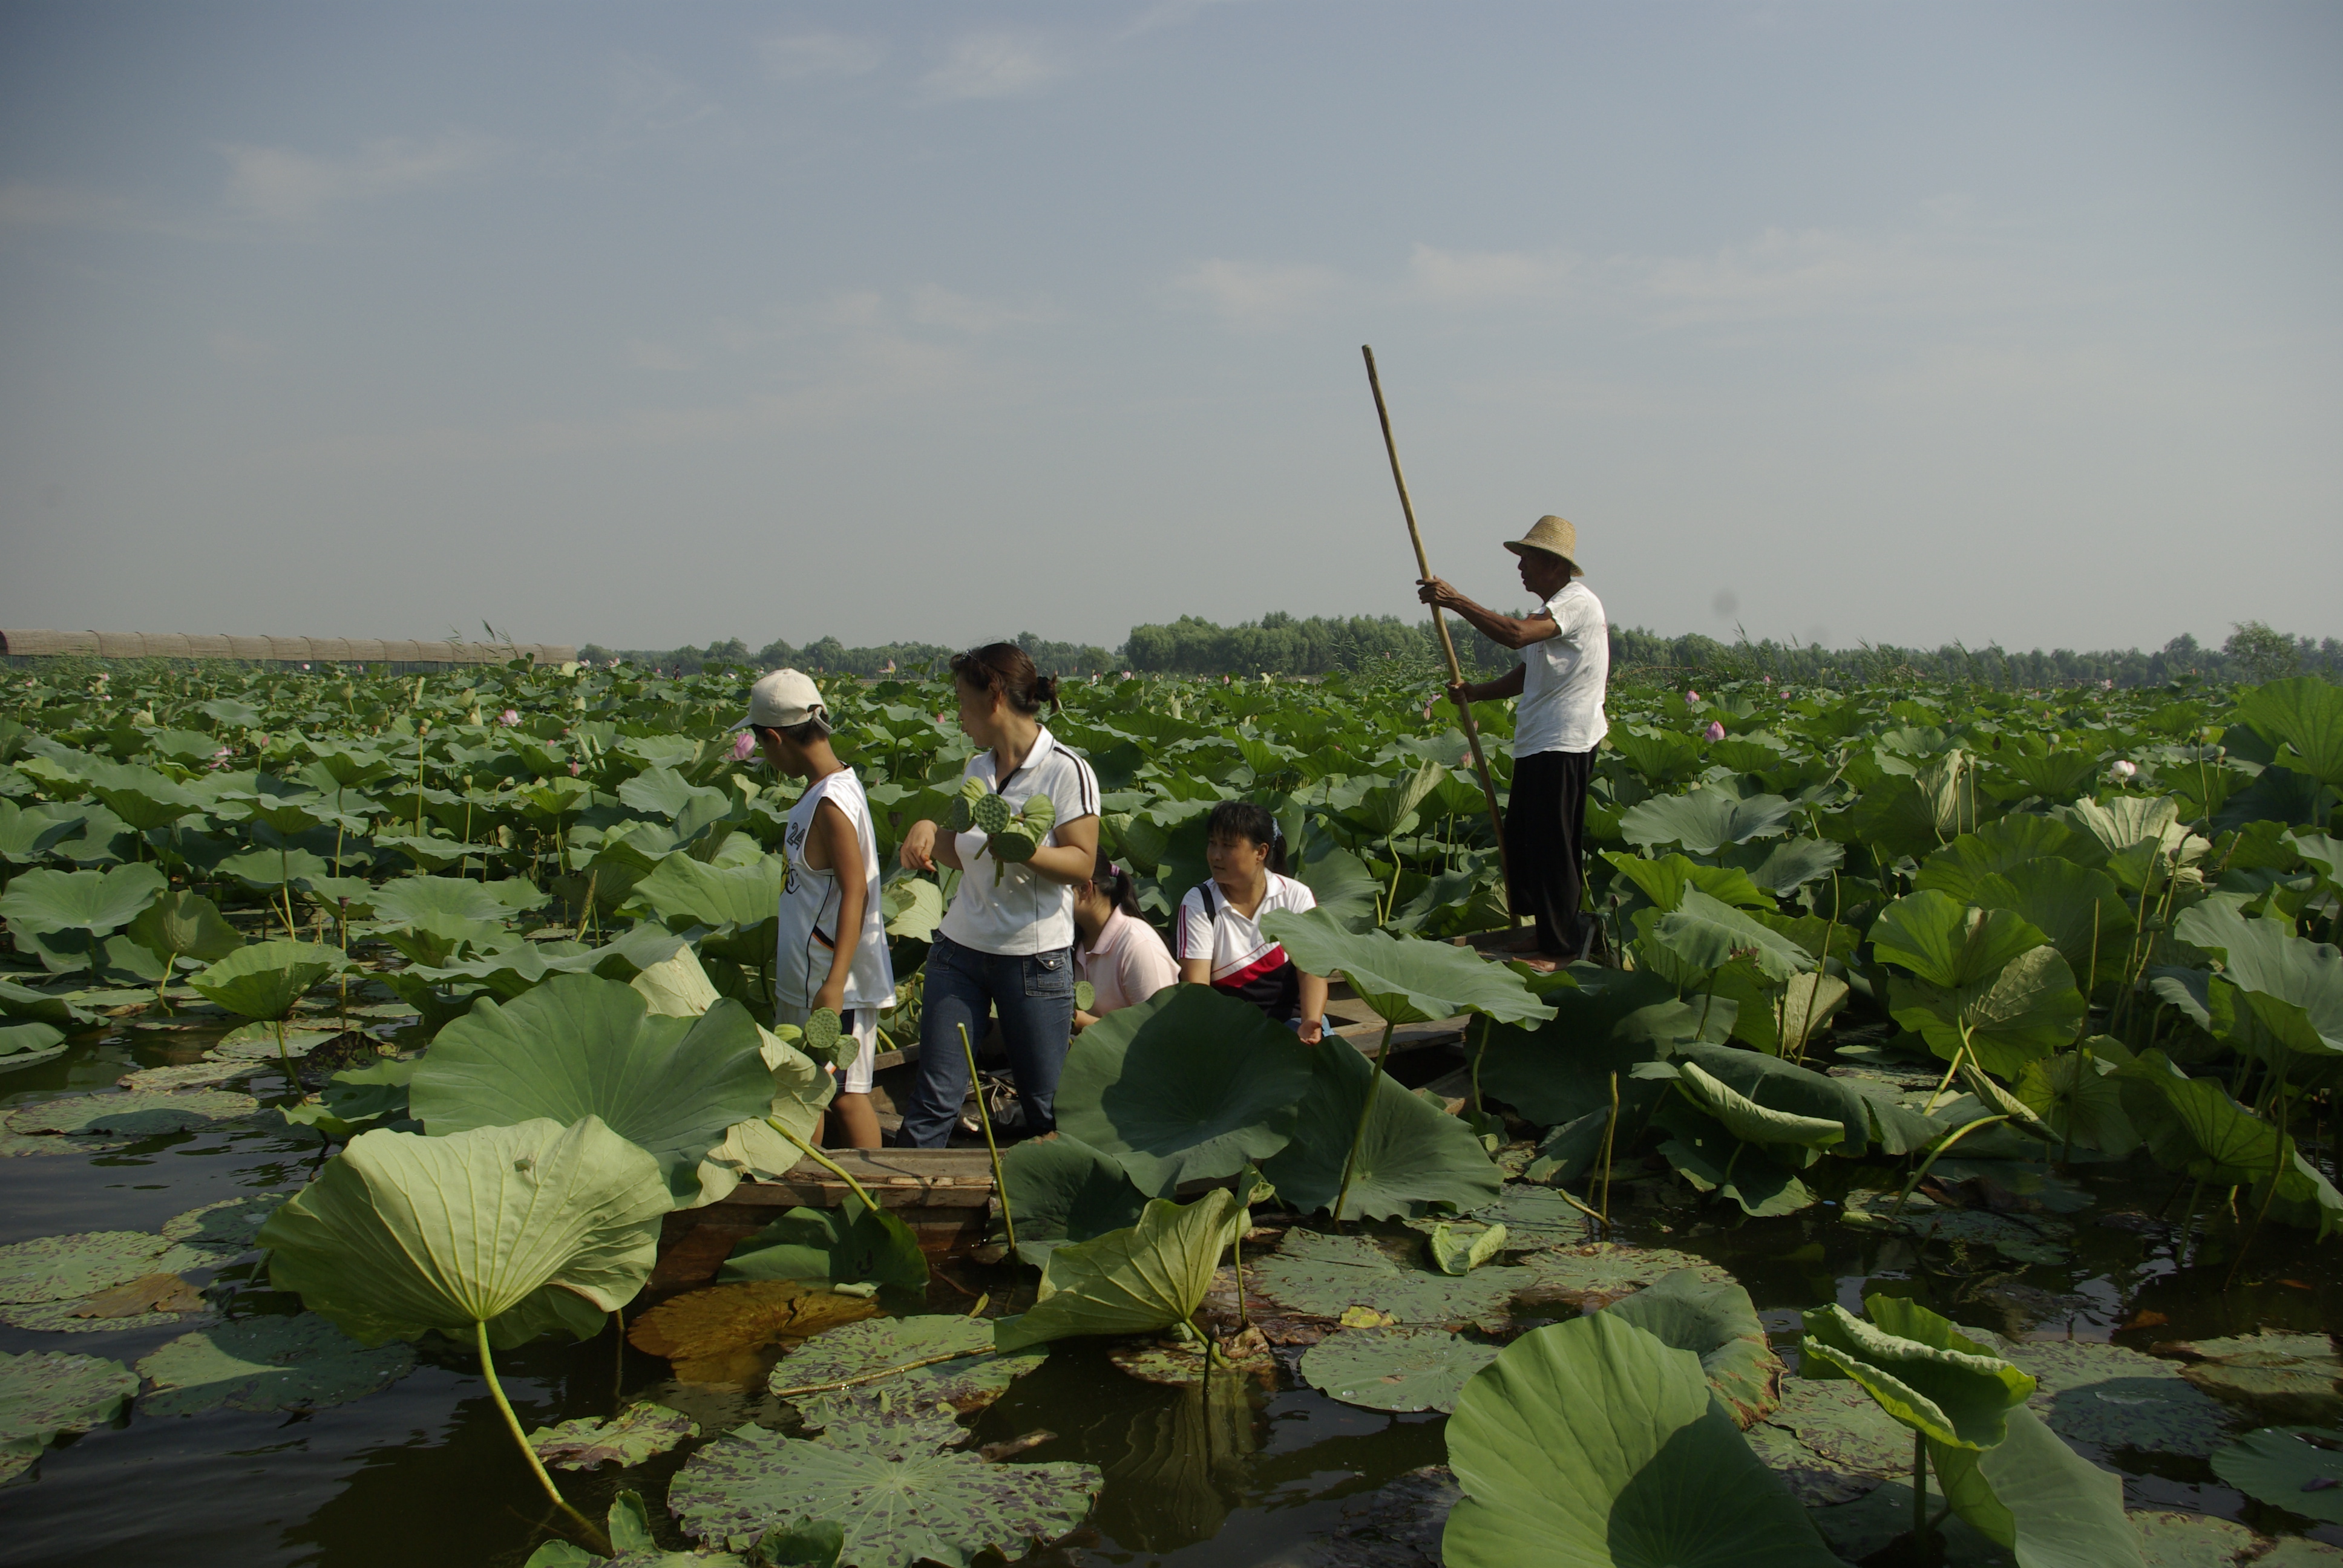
{"type": "Point", "coordinates": [1218, 938]}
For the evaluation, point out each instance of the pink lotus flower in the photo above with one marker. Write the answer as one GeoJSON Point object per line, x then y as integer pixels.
{"type": "Point", "coordinates": [573, 769]}
{"type": "Point", "coordinates": [1715, 731]}
{"type": "Point", "coordinates": [1427, 705]}
{"type": "Point", "coordinates": [744, 746]}
{"type": "Point", "coordinates": [2123, 771]}
{"type": "Point", "coordinates": [509, 716]}
{"type": "Point", "coordinates": [1691, 697]}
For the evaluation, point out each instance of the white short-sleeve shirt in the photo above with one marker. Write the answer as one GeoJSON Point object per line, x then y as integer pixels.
{"type": "Point", "coordinates": [1240, 954]}
{"type": "Point", "coordinates": [1024, 912]}
{"type": "Point", "coordinates": [809, 906]}
{"type": "Point", "coordinates": [1562, 679]}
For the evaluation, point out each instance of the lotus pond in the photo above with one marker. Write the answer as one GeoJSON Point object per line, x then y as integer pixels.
{"type": "Point", "coordinates": [1956, 1110]}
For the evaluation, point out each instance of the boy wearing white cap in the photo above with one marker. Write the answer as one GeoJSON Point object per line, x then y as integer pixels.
{"type": "Point", "coordinates": [832, 950]}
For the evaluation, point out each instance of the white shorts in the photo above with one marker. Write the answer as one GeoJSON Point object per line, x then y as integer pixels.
{"type": "Point", "coordinates": [862, 1023]}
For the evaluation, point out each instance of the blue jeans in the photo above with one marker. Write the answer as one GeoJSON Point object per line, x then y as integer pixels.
{"type": "Point", "coordinates": [1034, 993]}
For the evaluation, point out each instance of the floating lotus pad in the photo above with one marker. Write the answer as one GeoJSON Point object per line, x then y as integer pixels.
{"type": "Point", "coordinates": [1534, 1217]}
{"type": "Point", "coordinates": [2112, 1398]}
{"type": "Point", "coordinates": [1396, 1368]}
{"type": "Point", "coordinates": [1321, 1276]}
{"type": "Point", "coordinates": [635, 1434]}
{"type": "Point", "coordinates": [159, 1300]}
{"type": "Point", "coordinates": [1607, 1270]}
{"type": "Point", "coordinates": [1182, 1364]}
{"type": "Point", "coordinates": [48, 1392]}
{"type": "Point", "coordinates": [895, 1354]}
{"type": "Point", "coordinates": [16, 1145]}
{"type": "Point", "coordinates": [2297, 1468]}
{"type": "Point", "coordinates": [2021, 1237]}
{"type": "Point", "coordinates": [1842, 1432]}
{"type": "Point", "coordinates": [2292, 1377]}
{"type": "Point", "coordinates": [141, 1115]}
{"type": "Point", "coordinates": [265, 1364]}
{"type": "Point", "coordinates": [72, 1268]}
{"type": "Point", "coordinates": [892, 1423]}
{"type": "Point", "coordinates": [185, 1075]}
{"type": "Point", "coordinates": [702, 1330]}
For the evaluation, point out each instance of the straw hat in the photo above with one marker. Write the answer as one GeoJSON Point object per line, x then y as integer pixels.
{"type": "Point", "coordinates": [1552, 535]}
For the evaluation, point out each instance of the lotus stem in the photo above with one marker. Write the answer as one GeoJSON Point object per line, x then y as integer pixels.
{"type": "Point", "coordinates": [1359, 1133]}
{"type": "Point", "coordinates": [2091, 976]}
{"type": "Point", "coordinates": [1487, 1023]}
{"type": "Point", "coordinates": [1946, 1082]}
{"type": "Point", "coordinates": [1244, 1313]}
{"type": "Point", "coordinates": [619, 1372]}
{"type": "Point", "coordinates": [2278, 1168]}
{"type": "Point", "coordinates": [860, 1377]}
{"type": "Point", "coordinates": [824, 1161]}
{"type": "Point", "coordinates": [1920, 1492]}
{"type": "Point", "coordinates": [999, 1186]}
{"type": "Point", "coordinates": [1610, 1130]}
{"type": "Point", "coordinates": [285, 1055]}
{"type": "Point", "coordinates": [1947, 1141]}
{"type": "Point", "coordinates": [596, 1540]}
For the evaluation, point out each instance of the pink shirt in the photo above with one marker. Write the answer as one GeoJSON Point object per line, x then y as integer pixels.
{"type": "Point", "coordinates": [1129, 964]}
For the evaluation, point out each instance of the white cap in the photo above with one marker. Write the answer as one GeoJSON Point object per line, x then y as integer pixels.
{"type": "Point", "coordinates": [783, 701]}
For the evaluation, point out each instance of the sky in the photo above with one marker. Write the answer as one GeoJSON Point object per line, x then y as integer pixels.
{"type": "Point", "coordinates": [655, 323]}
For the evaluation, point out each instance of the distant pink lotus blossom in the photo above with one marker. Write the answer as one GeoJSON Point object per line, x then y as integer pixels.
{"type": "Point", "coordinates": [2106, 686]}
{"type": "Point", "coordinates": [1715, 731]}
{"type": "Point", "coordinates": [1691, 697]}
{"type": "Point", "coordinates": [1126, 675]}
{"type": "Point", "coordinates": [1427, 705]}
{"type": "Point", "coordinates": [2123, 771]}
{"type": "Point", "coordinates": [573, 768]}
{"type": "Point", "coordinates": [744, 746]}
{"type": "Point", "coordinates": [510, 715]}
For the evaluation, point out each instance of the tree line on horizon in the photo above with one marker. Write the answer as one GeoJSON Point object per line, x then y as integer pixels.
{"type": "Point", "coordinates": [1286, 645]}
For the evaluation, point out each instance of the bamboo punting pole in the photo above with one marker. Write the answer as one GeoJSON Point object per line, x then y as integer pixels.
{"type": "Point", "coordinates": [1440, 621]}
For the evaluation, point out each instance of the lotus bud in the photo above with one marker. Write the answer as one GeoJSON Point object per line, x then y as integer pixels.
{"type": "Point", "coordinates": [508, 717]}
{"type": "Point", "coordinates": [1715, 731]}
{"type": "Point", "coordinates": [1691, 697]}
{"type": "Point", "coordinates": [573, 769]}
{"type": "Point", "coordinates": [2123, 771]}
{"type": "Point", "coordinates": [744, 746]}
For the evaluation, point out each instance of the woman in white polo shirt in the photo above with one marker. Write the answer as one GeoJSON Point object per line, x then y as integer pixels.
{"type": "Point", "coordinates": [1006, 944]}
{"type": "Point", "coordinates": [1218, 938]}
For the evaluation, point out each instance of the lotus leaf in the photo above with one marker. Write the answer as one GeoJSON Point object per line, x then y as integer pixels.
{"type": "Point", "coordinates": [2034, 1494]}
{"type": "Point", "coordinates": [260, 1042]}
{"type": "Point", "coordinates": [2289, 1377]}
{"type": "Point", "coordinates": [1713, 1160]}
{"type": "Point", "coordinates": [1533, 1217]}
{"type": "Point", "coordinates": [2297, 1468]}
{"type": "Point", "coordinates": [1132, 1281]}
{"type": "Point", "coordinates": [913, 908]}
{"type": "Point", "coordinates": [1061, 1189]}
{"type": "Point", "coordinates": [1404, 980]}
{"type": "Point", "coordinates": [808, 1544]}
{"type": "Point", "coordinates": [636, 1433]}
{"type": "Point", "coordinates": [927, 1358]}
{"type": "Point", "coordinates": [1962, 866]}
{"type": "Point", "coordinates": [137, 1114]}
{"type": "Point", "coordinates": [526, 1228]}
{"type": "Point", "coordinates": [2304, 717]}
{"type": "Point", "coordinates": [1714, 1320]}
{"type": "Point", "coordinates": [1705, 820]}
{"type": "Point", "coordinates": [48, 1392]}
{"type": "Point", "coordinates": [743, 896]}
{"type": "Point", "coordinates": [299, 1362]}
{"type": "Point", "coordinates": [1752, 1122]}
{"type": "Point", "coordinates": [1703, 935]}
{"type": "Point", "coordinates": [628, 1527]}
{"type": "Point", "coordinates": [1185, 1364]}
{"type": "Point", "coordinates": [2296, 986]}
{"type": "Point", "coordinates": [1591, 1444]}
{"type": "Point", "coordinates": [23, 1001]}
{"type": "Point", "coordinates": [1410, 1154]}
{"type": "Point", "coordinates": [2191, 1125]}
{"type": "Point", "coordinates": [28, 833]}
{"type": "Point", "coordinates": [2021, 1237]}
{"type": "Point", "coordinates": [70, 1268]}
{"type": "Point", "coordinates": [1784, 868]}
{"type": "Point", "coordinates": [2115, 1398]}
{"type": "Point", "coordinates": [1397, 1369]}
{"type": "Point", "coordinates": [1944, 1385]}
{"type": "Point", "coordinates": [265, 980]}
{"type": "Point", "coordinates": [29, 1040]}
{"type": "Point", "coordinates": [1663, 880]}
{"type": "Point", "coordinates": [2025, 1010]}
{"type": "Point", "coordinates": [1605, 1272]}
{"type": "Point", "coordinates": [511, 971]}
{"type": "Point", "coordinates": [1832, 1442]}
{"type": "Point", "coordinates": [886, 1423]}
{"type": "Point", "coordinates": [1188, 1085]}
{"type": "Point", "coordinates": [40, 902]}
{"type": "Point", "coordinates": [943, 1508]}
{"type": "Point", "coordinates": [1321, 1276]}
{"type": "Point", "coordinates": [1463, 1249]}
{"type": "Point", "coordinates": [849, 1244]}
{"type": "Point", "coordinates": [705, 1332]}
{"type": "Point", "coordinates": [2077, 1095]}
{"type": "Point", "coordinates": [2080, 910]}
{"type": "Point", "coordinates": [182, 924]}
{"type": "Point", "coordinates": [578, 1046]}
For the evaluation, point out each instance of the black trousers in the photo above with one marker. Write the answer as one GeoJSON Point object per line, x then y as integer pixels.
{"type": "Point", "coordinates": [1545, 829]}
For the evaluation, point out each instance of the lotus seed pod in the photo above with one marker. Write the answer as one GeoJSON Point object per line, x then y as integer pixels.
{"type": "Point", "coordinates": [825, 1040]}
{"type": "Point", "coordinates": [971, 791]}
{"type": "Point", "coordinates": [1014, 844]}
{"type": "Point", "coordinates": [990, 815]}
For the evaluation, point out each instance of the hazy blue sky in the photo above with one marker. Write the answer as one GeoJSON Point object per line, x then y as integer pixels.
{"type": "Point", "coordinates": [646, 324]}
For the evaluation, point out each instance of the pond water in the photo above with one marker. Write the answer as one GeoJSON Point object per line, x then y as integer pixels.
{"type": "Point", "coordinates": [424, 1472]}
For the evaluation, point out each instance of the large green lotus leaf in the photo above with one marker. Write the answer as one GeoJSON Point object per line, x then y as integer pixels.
{"type": "Point", "coordinates": [1783, 868]}
{"type": "Point", "coordinates": [1705, 820]}
{"type": "Point", "coordinates": [898, 1354]}
{"type": "Point", "coordinates": [1665, 880]}
{"type": "Point", "coordinates": [851, 1244]}
{"type": "Point", "coordinates": [2026, 1009]}
{"type": "Point", "coordinates": [141, 797]}
{"type": "Point", "coordinates": [1405, 979]}
{"type": "Point", "coordinates": [1591, 1443]}
{"type": "Point", "coordinates": [273, 869]}
{"type": "Point", "coordinates": [1532, 1216]}
{"type": "Point", "coordinates": [1385, 810]}
{"type": "Point", "coordinates": [526, 1228]}
{"type": "Point", "coordinates": [2191, 1125]}
{"type": "Point", "coordinates": [887, 1423]}
{"type": "Point", "coordinates": [2265, 958]}
{"type": "Point", "coordinates": [1944, 1385]}
{"type": "Point", "coordinates": [25, 1002]}
{"type": "Point", "coordinates": [299, 1362]}
{"type": "Point", "coordinates": [1662, 755]}
{"type": "Point", "coordinates": [1612, 1021]}
{"type": "Point", "coordinates": [913, 908]}
{"type": "Point", "coordinates": [511, 971]}
{"type": "Point", "coordinates": [1397, 1369]}
{"type": "Point", "coordinates": [185, 925]}
{"type": "Point", "coordinates": [1704, 935]}
{"type": "Point", "coordinates": [1343, 886]}
{"type": "Point", "coordinates": [1752, 1122]}
{"type": "Point", "coordinates": [28, 1042]}
{"type": "Point", "coordinates": [405, 900]}
{"type": "Point", "coordinates": [1868, 1113]}
{"type": "Point", "coordinates": [579, 1045]}
{"type": "Point", "coordinates": [1188, 1085]}
{"type": "Point", "coordinates": [2280, 1376]}
{"type": "Point", "coordinates": [2297, 1468]}
{"type": "Point", "coordinates": [666, 793]}
{"type": "Point", "coordinates": [2080, 910]}
{"type": "Point", "coordinates": [1946, 944]}
{"type": "Point", "coordinates": [1412, 1153]}
{"type": "Point", "coordinates": [47, 1392]}
{"type": "Point", "coordinates": [1324, 1276]}
{"type": "Point", "coordinates": [136, 1113]}
{"type": "Point", "coordinates": [2127, 822]}
{"type": "Point", "coordinates": [682, 886]}
{"type": "Point", "coordinates": [27, 833]}
{"type": "Point", "coordinates": [2076, 1094]}
{"type": "Point", "coordinates": [2031, 1493]}
{"type": "Point", "coordinates": [2114, 1398]}
{"type": "Point", "coordinates": [2304, 718]}
{"type": "Point", "coordinates": [945, 1507]}
{"type": "Point", "coordinates": [1136, 1282]}
{"type": "Point", "coordinates": [264, 980]}
{"type": "Point", "coordinates": [1961, 866]}
{"type": "Point", "coordinates": [1061, 1189]}
{"type": "Point", "coordinates": [40, 902]}
{"type": "Point", "coordinates": [1715, 1321]}
{"type": "Point", "coordinates": [636, 1433]}
{"type": "Point", "coordinates": [1713, 1160]}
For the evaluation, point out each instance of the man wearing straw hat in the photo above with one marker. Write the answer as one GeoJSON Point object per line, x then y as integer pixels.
{"type": "Point", "coordinates": [1566, 660]}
